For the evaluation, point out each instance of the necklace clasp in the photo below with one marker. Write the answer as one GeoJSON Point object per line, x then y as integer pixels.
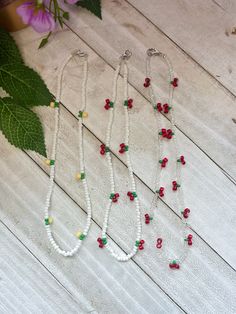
{"type": "Point", "coordinates": [154, 52]}
{"type": "Point", "coordinates": [126, 55]}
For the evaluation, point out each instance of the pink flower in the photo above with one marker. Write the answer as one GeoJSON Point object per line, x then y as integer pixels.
{"type": "Point", "coordinates": [37, 16]}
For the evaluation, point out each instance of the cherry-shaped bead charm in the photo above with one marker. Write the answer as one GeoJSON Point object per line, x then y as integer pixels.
{"type": "Point", "coordinates": [108, 104]}
{"type": "Point", "coordinates": [147, 82]}
{"type": "Point", "coordinates": [161, 191]}
{"type": "Point", "coordinates": [102, 242]}
{"type": "Point", "coordinates": [182, 160]}
{"type": "Point", "coordinates": [166, 133]}
{"type": "Point", "coordinates": [163, 162]}
{"type": "Point", "coordinates": [131, 195]}
{"type": "Point", "coordinates": [175, 81]}
{"type": "Point", "coordinates": [140, 244]}
{"type": "Point", "coordinates": [104, 149]}
{"type": "Point", "coordinates": [128, 103]}
{"type": "Point", "coordinates": [174, 265]}
{"type": "Point", "coordinates": [166, 108]}
{"type": "Point", "coordinates": [189, 239]}
{"type": "Point", "coordinates": [114, 197]}
{"type": "Point", "coordinates": [148, 218]}
{"type": "Point", "coordinates": [123, 148]}
{"type": "Point", "coordinates": [158, 107]}
{"type": "Point", "coordinates": [159, 243]}
{"type": "Point", "coordinates": [175, 185]}
{"type": "Point", "coordinates": [185, 213]}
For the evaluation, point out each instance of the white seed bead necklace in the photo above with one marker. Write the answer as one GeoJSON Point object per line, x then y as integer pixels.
{"type": "Point", "coordinates": [166, 135]}
{"type": "Point", "coordinates": [124, 148]}
{"type": "Point", "coordinates": [51, 162]}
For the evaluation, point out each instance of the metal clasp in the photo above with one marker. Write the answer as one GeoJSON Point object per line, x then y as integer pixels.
{"type": "Point", "coordinates": [154, 52]}
{"type": "Point", "coordinates": [79, 53]}
{"type": "Point", "coordinates": [126, 55]}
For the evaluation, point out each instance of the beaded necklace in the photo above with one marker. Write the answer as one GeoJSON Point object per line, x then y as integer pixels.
{"type": "Point", "coordinates": [51, 162]}
{"type": "Point", "coordinates": [167, 135]}
{"type": "Point", "coordinates": [124, 149]}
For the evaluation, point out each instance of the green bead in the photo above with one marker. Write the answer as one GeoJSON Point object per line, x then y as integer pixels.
{"type": "Point", "coordinates": [80, 114]}
{"type": "Point", "coordinates": [126, 148]}
{"type": "Point", "coordinates": [160, 161]}
{"type": "Point", "coordinates": [56, 104]}
{"type": "Point", "coordinates": [126, 103]}
{"type": "Point", "coordinates": [178, 160]}
{"type": "Point", "coordinates": [82, 236]}
{"type": "Point", "coordinates": [137, 243]}
{"type": "Point", "coordinates": [52, 162]}
{"type": "Point", "coordinates": [111, 104]}
{"type": "Point", "coordinates": [82, 175]}
{"type": "Point", "coordinates": [107, 149]}
{"type": "Point", "coordinates": [104, 240]}
{"type": "Point", "coordinates": [112, 195]}
{"type": "Point", "coordinates": [151, 218]}
{"type": "Point", "coordinates": [174, 262]}
{"type": "Point", "coordinates": [46, 221]}
{"type": "Point", "coordinates": [134, 194]}
{"type": "Point", "coordinates": [160, 133]}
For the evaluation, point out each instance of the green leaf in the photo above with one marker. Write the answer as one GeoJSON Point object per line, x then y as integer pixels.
{"type": "Point", "coordinates": [44, 41]}
{"type": "Point", "coordinates": [8, 49]}
{"type": "Point", "coordinates": [93, 6]}
{"type": "Point", "coordinates": [21, 126]}
{"type": "Point", "coordinates": [24, 85]}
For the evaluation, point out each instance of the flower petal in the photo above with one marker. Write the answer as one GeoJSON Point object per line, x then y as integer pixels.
{"type": "Point", "coordinates": [26, 11]}
{"type": "Point", "coordinates": [71, 1]}
{"type": "Point", "coordinates": [43, 21]}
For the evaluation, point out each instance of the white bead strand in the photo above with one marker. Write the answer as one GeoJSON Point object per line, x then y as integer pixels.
{"type": "Point", "coordinates": [120, 257]}
{"type": "Point", "coordinates": [52, 161]}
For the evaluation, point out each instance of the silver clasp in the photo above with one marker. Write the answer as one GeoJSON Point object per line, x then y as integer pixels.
{"type": "Point", "coordinates": [79, 53]}
{"type": "Point", "coordinates": [154, 52]}
{"type": "Point", "coordinates": [126, 55]}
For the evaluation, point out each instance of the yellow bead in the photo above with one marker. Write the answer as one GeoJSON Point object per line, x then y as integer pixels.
{"type": "Point", "coordinates": [52, 104]}
{"type": "Point", "coordinates": [78, 234]}
{"type": "Point", "coordinates": [50, 220]}
{"type": "Point", "coordinates": [47, 162]}
{"type": "Point", "coordinates": [78, 176]}
{"type": "Point", "coordinates": [85, 114]}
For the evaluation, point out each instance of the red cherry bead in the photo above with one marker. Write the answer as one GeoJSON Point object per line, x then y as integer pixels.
{"type": "Point", "coordinates": [102, 152]}
{"type": "Point", "coordinates": [114, 200]}
{"type": "Point", "coordinates": [107, 101]}
{"type": "Point", "coordinates": [129, 193]}
{"type": "Point", "coordinates": [140, 247]}
{"type": "Point", "coordinates": [117, 195]}
{"type": "Point", "coordinates": [142, 241]}
{"type": "Point", "coordinates": [190, 236]}
{"type": "Point", "coordinates": [147, 80]}
{"type": "Point", "coordinates": [131, 197]}
{"type": "Point", "coordinates": [99, 239]}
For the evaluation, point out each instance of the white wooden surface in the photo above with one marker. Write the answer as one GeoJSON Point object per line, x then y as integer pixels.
{"type": "Point", "coordinates": [33, 277]}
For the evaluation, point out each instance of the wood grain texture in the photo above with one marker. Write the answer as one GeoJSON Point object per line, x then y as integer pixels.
{"type": "Point", "coordinates": [207, 281]}
{"type": "Point", "coordinates": [203, 29]}
{"type": "Point", "coordinates": [25, 284]}
{"type": "Point", "coordinates": [198, 92]}
{"type": "Point", "coordinates": [108, 287]}
{"type": "Point", "coordinates": [211, 195]}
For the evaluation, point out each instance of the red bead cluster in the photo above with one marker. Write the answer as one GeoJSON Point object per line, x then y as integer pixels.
{"type": "Point", "coordinates": [108, 104]}
{"type": "Point", "coordinates": [166, 133]}
{"type": "Point", "coordinates": [147, 219]}
{"type": "Point", "coordinates": [161, 191]}
{"type": "Point", "coordinates": [129, 103]}
{"type": "Point", "coordinates": [189, 239]}
{"type": "Point", "coordinates": [123, 148]}
{"type": "Point", "coordinates": [131, 195]}
{"type": "Point", "coordinates": [185, 212]}
{"type": "Point", "coordinates": [163, 162]}
{"type": "Point", "coordinates": [175, 82]}
{"type": "Point", "coordinates": [174, 264]}
{"type": "Point", "coordinates": [103, 149]}
{"type": "Point", "coordinates": [114, 197]}
{"type": "Point", "coordinates": [147, 82]}
{"type": "Point", "coordinates": [159, 243]}
{"type": "Point", "coordinates": [166, 108]}
{"type": "Point", "coordinates": [140, 244]}
{"type": "Point", "coordinates": [102, 242]}
{"type": "Point", "coordinates": [182, 160]}
{"type": "Point", "coordinates": [175, 185]}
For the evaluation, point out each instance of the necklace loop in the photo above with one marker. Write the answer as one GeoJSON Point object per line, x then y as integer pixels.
{"type": "Point", "coordinates": [154, 52]}
{"type": "Point", "coordinates": [126, 55]}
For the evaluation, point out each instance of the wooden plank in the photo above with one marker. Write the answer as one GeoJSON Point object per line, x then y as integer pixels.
{"type": "Point", "coordinates": [198, 92]}
{"type": "Point", "coordinates": [202, 177]}
{"type": "Point", "coordinates": [26, 286]}
{"type": "Point", "coordinates": [202, 29]}
{"type": "Point", "coordinates": [209, 282]}
{"type": "Point", "coordinates": [109, 287]}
